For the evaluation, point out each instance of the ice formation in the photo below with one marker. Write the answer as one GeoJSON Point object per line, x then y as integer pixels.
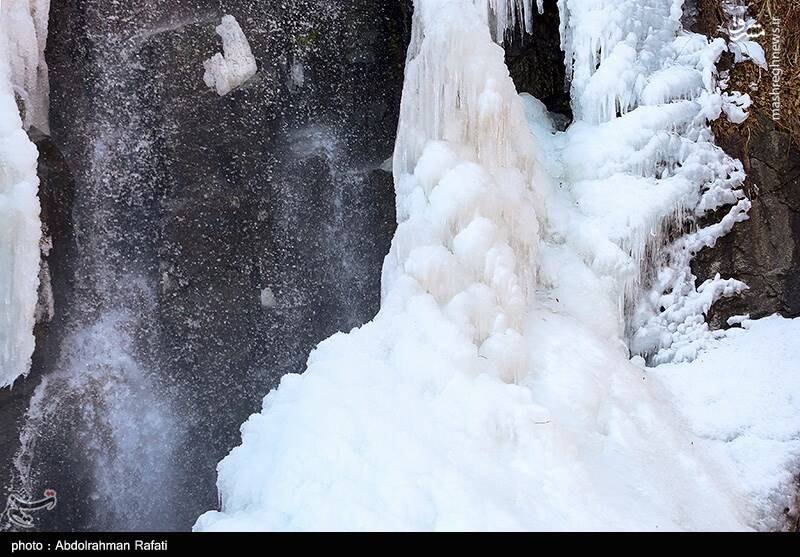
{"type": "Point", "coordinates": [494, 389]}
{"type": "Point", "coordinates": [643, 91]}
{"type": "Point", "coordinates": [230, 69]}
{"type": "Point", "coordinates": [25, 36]}
{"type": "Point", "coordinates": [23, 27]}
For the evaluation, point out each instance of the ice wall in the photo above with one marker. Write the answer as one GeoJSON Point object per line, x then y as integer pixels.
{"type": "Point", "coordinates": [643, 168]}
{"type": "Point", "coordinates": [23, 26]}
{"type": "Point", "coordinates": [466, 199]}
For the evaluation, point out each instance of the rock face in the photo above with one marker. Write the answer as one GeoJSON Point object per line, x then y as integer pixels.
{"type": "Point", "coordinates": [536, 63]}
{"type": "Point", "coordinates": [763, 251]}
{"type": "Point", "coordinates": [274, 188]}
{"type": "Point", "coordinates": [218, 238]}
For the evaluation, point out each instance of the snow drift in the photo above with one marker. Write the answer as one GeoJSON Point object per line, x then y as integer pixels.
{"type": "Point", "coordinates": [23, 78]}
{"type": "Point", "coordinates": [494, 389]}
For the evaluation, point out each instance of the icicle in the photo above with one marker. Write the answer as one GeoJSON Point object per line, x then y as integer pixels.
{"type": "Point", "coordinates": [464, 173]}
{"type": "Point", "coordinates": [642, 95]}
{"type": "Point", "coordinates": [22, 75]}
{"type": "Point", "coordinates": [25, 33]}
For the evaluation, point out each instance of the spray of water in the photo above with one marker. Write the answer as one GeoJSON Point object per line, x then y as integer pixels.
{"type": "Point", "coordinates": [108, 413]}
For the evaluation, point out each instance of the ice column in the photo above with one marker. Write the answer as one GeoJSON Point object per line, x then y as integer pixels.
{"type": "Point", "coordinates": [23, 27]}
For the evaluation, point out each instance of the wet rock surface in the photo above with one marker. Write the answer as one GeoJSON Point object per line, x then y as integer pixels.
{"type": "Point", "coordinates": [211, 243]}
{"type": "Point", "coordinates": [536, 63]}
{"type": "Point", "coordinates": [763, 251]}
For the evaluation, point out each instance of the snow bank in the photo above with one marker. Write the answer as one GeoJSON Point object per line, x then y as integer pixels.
{"type": "Point", "coordinates": [23, 28]}
{"type": "Point", "coordinates": [494, 389]}
{"type": "Point", "coordinates": [743, 398]}
{"type": "Point", "coordinates": [228, 70]}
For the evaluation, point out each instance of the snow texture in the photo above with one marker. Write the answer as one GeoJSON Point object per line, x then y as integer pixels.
{"type": "Point", "coordinates": [743, 399]}
{"type": "Point", "coordinates": [494, 390]}
{"type": "Point", "coordinates": [230, 69]}
{"type": "Point", "coordinates": [23, 28]}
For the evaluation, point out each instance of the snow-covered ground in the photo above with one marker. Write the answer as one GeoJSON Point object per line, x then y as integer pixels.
{"type": "Point", "coordinates": [742, 399]}
{"type": "Point", "coordinates": [23, 76]}
{"type": "Point", "coordinates": [495, 388]}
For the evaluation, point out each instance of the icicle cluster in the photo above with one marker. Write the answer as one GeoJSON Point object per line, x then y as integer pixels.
{"type": "Point", "coordinates": [23, 27]}
{"type": "Point", "coordinates": [504, 15]}
{"type": "Point", "coordinates": [644, 91]}
{"type": "Point", "coordinates": [467, 231]}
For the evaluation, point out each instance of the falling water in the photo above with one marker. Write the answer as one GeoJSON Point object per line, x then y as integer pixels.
{"type": "Point", "coordinates": [104, 408]}
{"type": "Point", "coordinates": [187, 206]}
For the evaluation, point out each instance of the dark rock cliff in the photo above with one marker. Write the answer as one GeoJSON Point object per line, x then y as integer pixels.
{"type": "Point", "coordinates": [536, 63]}
{"type": "Point", "coordinates": [763, 251]}
{"type": "Point", "coordinates": [221, 237]}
